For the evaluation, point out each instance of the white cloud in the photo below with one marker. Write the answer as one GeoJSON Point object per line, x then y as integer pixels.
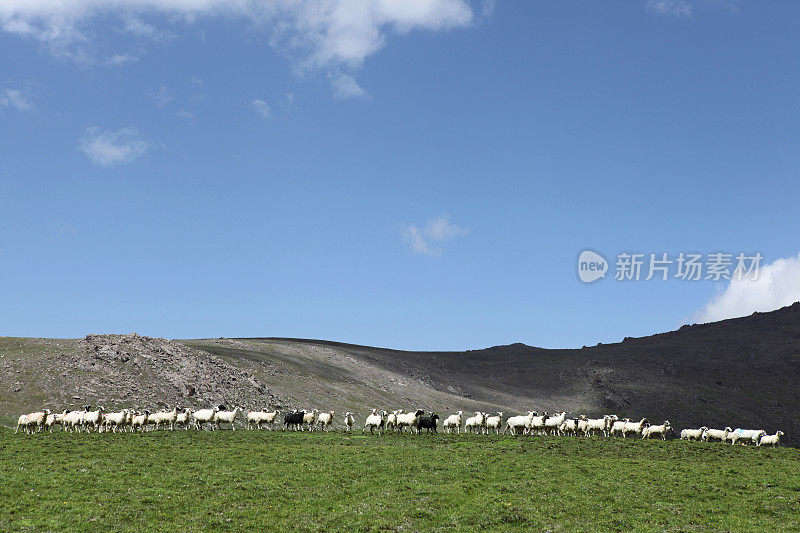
{"type": "Point", "coordinates": [138, 27]}
{"type": "Point", "coordinates": [262, 108]}
{"type": "Point", "coordinates": [777, 285]}
{"type": "Point", "coordinates": [186, 115]}
{"type": "Point", "coordinates": [112, 147]}
{"type": "Point", "coordinates": [162, 96]}
{"type": "Point", "coordinates": [17, 99]}
{"type": "Point", "coordinates": [676, 8]}
{"type": "Point", "coordinates": [318, 34]}
{"type": "Point", "coordinates": [346, 86]}
{"type": "Point", "coordinates": [120, 59]}
{"type": "Point", "coordinates": [428, 239]}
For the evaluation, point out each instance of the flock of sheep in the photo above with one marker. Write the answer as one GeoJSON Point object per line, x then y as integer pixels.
{"type": "Point", "coordinates": [88, 420]}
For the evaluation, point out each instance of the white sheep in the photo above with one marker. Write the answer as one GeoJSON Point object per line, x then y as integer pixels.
{"type": "Point", "coordinates": [454, 422]}
{"type": "Point", "coordinates": [140, 420]}
{"type": "Point", "coordinates": [164, 417]}
{"type": "Point", "coordinates": [618, 427]}
{"type": "Point", "coordinates": [551, 424]}
{"type": "Point", "coordinates": [55, 419]}
{"type": "Point", "coordinates": [537, 423]}
{"type": "Point", "coordinates": [349, 420]}
{"type": "Point", "coordinates": [183, 418]}
{"type": "Point", "coordinates": [325, 420]}
{"type": "Point", "coordinates": [204, 416]}
{"type": "Point", "coordinates": [635, 428]}
{"type": "Point", "coordinates": [374, 421]}
{"type": "Point", "coordinates": [568, 427]}
{"type": "Point", "coordinates": [602, 425]}
{"type": "Point", "coordinates": [93, 419]}
{"type": "Point", "coordinates": [659, 430]}
{"type": "Point", "coordinates": [22, 422]}
{"type": "Point", "coordinates": [494, 423]}
{"type": "Point", "coordinates": [716, 434]}
{"type": "Point", "coordinates": [112, 421]}
{"type": "Point", "coordinates": [583, 426]}
{"type": "Point", "coordinates": [770, 440]}
{"type": "Point", "coordinates": [254, 418]}
{"type": "Point", "coordinates": [391, 420]}
{"type": "Point", "coordinates": [693, 434]}
{"type": "Point", "coordinates": [309, 418]}
{"type": "Point", "coordinates": [33, 422]}
{"type": "Point", "coordinates": [229, 417]}
{"type": "Point", "coordinates": [410, 420]}
{"type": "Point", "coordinates": [521, 423]}
{"type": "Point", "coordinates": [744, 435]}
{"type": "Point", "coordinates": [475, 423]}
{"type": "Point", "coordinates": [73, 421]}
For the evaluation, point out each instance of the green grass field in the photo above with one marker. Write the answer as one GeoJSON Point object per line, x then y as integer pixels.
{"type": "Point", "coordinates": [220, 480]}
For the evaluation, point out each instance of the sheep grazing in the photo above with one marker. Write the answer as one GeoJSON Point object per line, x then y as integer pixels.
{"type": "Point", "coordinates": [603, 425]}
{"type": "Point", "coordinates": [475, 423]}
{"type": "Point", "coordinates": [73, 421]}
{"type": "Point", "coordinates": [693, 434]}
{"type": "Point", "coordinates": [349, 420]}
{"type": "Point", "coordinates": [635, 428]}
{"type": "Point", "coordinates": [428, 423]}
{"type": "Point", "coordinates": [325, 420]}
{"type": "Point", "coordinates": [140, 421]}
{"type": "Point", "coordinates": [33, 422]}
{"type": "Point", "coordinates": [391, 420]}
{"type": "Point", "coordinates": [22, 422]}
{"type": "Point", "coordinates": [537, 423]}
{"type": "Point", "coordinates": [375, 421]}
{"type": "Point", "coordinates": [716, 434]}
{"type": "Point", "coordinates": [618, 427]}
{"type": "Point", "coordinates": [204, 416]}
{"type": "Point", "coordinates": [551, 424]}
{"type": "Point", "coordinates": [228, 417]}
{"type": "Point", "coordinates": [453, 422]}
{"type": "Point", "coordinates": [112, 421]}
{"type": "Point", "coordinates": [568, 427]}
{"type": "Point", "coordinates": [494, 423]}
{"type": "Point", "coordinates": [770, 440]}
{"type": "Point", "coordinates": [660, 430]}
{"type": "Point", "coordinates": [183, 418]}
{"type": "Point", "coordinates": [293, 420]}
{"type": "Point", "coordinates": [521, 423]}
{"type": "Point", "coordinates": [745, 435]}
{"type": "Point", "coordinates": [254, 418]}
{"type": "Point", "coordinates": [55, 419]}
{"type": "Point", "coordinates": [93, 419]}
{"type": "Point", "coordinates": [409, 420]}
{"type": "Point", "coordinates": [164, 417]}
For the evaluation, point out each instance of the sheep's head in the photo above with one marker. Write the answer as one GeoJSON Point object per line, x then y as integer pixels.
{"type": "Point", "coordinates": [779, 433]}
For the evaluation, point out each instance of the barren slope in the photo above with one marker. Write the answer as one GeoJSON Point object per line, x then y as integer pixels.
{"type": "Point", "coordinates": [740, 372]}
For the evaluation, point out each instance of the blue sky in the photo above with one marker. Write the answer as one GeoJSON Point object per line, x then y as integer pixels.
{"type": "Point", "coordinates": [416, 175]}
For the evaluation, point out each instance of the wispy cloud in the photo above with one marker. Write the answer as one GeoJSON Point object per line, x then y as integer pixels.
{"type": "Point", "coordinates": [261, 108]}
{"type": "Point", "coordinates": [109, 148]}
{"type": "Point", "coordinates": [676, 8]}
{"type": "Point", "coordinates": [161, 96]}
{"type": "Point", "coordinates": [427, 240]}
{"type": "Point", "coordinates": [346, 86]}
{"type": "Point", "coordinates": [777, 285]}
{"type": "Point", "coordinates": [138, 27]}
{"type": "Point", "coordinates": [17, 99]}
{"type": "Point", "coordinates": [330, 35]}
{"type": "Point", "coordinates": [120, 59]}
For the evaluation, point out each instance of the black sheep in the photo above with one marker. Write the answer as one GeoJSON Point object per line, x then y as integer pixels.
{"type": "Point", "coordinates": [293, 419]}
{"type": "Point", "coordinates": [428, 423]}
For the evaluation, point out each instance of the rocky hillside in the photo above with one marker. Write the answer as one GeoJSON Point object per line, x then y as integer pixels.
{"type": "Point", "coordinates": [740, 372]}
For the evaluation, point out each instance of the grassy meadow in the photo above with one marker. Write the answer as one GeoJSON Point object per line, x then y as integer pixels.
{"type": "Point", "coordinates": [223, 480]}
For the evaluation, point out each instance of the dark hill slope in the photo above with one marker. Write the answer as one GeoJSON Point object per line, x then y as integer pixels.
{"type": "Point", "coordinates": [740, 372]}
